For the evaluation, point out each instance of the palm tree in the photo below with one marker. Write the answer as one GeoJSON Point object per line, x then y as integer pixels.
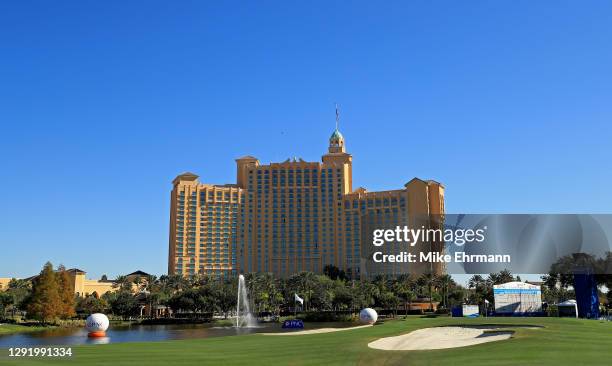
{"type": "Point", "coordinates": [480, 288]}
{"type": "Point", "coordinates": [122, 283]}
{"type": "Point", "coordinates": [427, 280]}
{"type": "Point", "coordinates": [137, 282]}
{"type": "Point", "coordinates": [475, 281]}
{"type": "Point", "coordinates": [365, 294]}
{"type": "Point", "coordinates": [152, 287]}
{"type": "Point", "coordinates": [302, 283]}
{"type": "Point", "coordinates": [177, 283]}
{"type": "Point", "coordinates": [444, 282]}
{"type": "Point", "coordinates": [503, 276]}
{"type": "Point", "coordinates": [224, 292]}
{"type": "Point", "coordinates": [382, 281]}
{"type": "Point", "coordinates": [403, 286]}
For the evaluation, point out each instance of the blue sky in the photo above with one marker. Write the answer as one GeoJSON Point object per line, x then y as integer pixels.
{"type": "Point", "coordinates": [508, 103]}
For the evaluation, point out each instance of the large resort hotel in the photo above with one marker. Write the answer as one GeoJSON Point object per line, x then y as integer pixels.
{"type": "Point", "coordinates": [287, 217]}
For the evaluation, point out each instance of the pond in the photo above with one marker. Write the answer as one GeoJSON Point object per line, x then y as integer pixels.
{"type": "Point", "coordinates": [142, 333]}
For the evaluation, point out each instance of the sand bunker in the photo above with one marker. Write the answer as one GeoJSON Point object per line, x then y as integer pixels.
{"type": "Point", "coordinates": [440, 338]}
{"type": "Point", "coordinates": [315, 331]}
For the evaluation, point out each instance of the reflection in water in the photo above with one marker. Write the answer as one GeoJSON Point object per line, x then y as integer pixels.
{"type": "Point", "coordinates": [99, 340]}
{"type": "Point", "coordinates": [141, 333]}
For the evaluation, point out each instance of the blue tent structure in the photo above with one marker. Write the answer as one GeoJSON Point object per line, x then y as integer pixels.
{"type": "Point", "coordinates": [586, 294]}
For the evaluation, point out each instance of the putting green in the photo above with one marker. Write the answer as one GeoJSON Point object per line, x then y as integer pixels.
{"type": "Point", "coordinates": [560, 342]}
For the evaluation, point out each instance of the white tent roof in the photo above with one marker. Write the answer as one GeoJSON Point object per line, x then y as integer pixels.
{"type": "Point", "coordinates": [567, 303]}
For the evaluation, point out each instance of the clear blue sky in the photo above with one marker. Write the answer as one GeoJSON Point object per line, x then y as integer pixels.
{"type": "Point", "coordinates": [508, 103]}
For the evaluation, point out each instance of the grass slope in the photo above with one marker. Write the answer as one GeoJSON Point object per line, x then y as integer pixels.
{"type": "Point", "coordinates": [15, 328]}
{"type": "Point", "coordinates": [560, 342]}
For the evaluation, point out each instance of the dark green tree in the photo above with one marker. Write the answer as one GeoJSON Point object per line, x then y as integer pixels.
{"type": "Point", "coordinates": [45, 303]}
{"type": "Point", "coordinates": [6, 300]}
{"type": "Point", "coordinates": [66, 293]}
{"type": "Point", "coordinates": [91, 304]}
{"type": "Point", "coordinates": [124, 304]}
{"type": "Point", "coordinates": [334, 272]}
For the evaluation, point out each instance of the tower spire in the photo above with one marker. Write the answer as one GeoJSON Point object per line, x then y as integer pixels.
{"type": "Point", "coordinates": [337, 116]}
{"type": "Point", "coordinates": [336, 141]}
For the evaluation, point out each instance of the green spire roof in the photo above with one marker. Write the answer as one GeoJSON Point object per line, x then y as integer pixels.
{"type": "Point", "coordinates": [336, 135]}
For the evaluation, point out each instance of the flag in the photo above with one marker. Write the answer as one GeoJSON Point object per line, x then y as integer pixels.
{"type": "Point", "coordinates": [299, 299]}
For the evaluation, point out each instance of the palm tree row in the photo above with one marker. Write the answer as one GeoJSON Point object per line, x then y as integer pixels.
{"type": "Point", "coordinates": [332, 291]}
{"type": "Point", "coordinates": [202, 295]}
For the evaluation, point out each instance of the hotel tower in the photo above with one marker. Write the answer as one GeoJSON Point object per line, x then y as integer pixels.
{"type": "Point", "coordinates": [288, 217]}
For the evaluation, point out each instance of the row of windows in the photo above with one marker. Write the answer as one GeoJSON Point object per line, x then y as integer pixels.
{"type": "Point", "coordinates": [291, 171]}
{"type": "Point", "coordinates": [374, 202]}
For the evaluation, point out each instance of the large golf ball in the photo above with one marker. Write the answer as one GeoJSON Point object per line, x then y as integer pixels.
{"type": "Point", "coordinates": [96, 323]}
{"type": "Point", "coordinates": [368, 316]}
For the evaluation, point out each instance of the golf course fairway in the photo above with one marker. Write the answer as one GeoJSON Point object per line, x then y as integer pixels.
{"type": "Point", "coordinates": [558, 341]}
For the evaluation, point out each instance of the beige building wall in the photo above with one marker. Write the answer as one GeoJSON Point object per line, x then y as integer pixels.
{"type": "Point", "coordinates": [203, 227]}
{"type": "Point", "coordinates": [83, 286]}
{"type": "Point", "coordinates": [4, 281]}
{"type": "Point", "coordinates": [80, 285]}
{"type": "Point", "coordinates": [100, 287]}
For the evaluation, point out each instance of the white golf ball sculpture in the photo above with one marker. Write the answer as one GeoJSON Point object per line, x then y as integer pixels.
{"type": "Point", "coordinates": [368, 316]}
{"type": "Point", "coordinates": [96, 325]}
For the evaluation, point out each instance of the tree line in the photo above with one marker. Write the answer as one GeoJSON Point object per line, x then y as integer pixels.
{"type": "Point", "coordinates": [333, 291]}
{"type": "Point", "coordinates": [50, 296]}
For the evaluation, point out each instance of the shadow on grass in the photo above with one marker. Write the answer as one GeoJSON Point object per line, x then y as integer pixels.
{"type": "Point", "coordinates": [493, 325]}
{"type": "Point", "coordinates": [490, 333]}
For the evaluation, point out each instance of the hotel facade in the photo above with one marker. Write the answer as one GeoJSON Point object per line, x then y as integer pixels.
{"type": "Point", "coordinates": [288, 217]}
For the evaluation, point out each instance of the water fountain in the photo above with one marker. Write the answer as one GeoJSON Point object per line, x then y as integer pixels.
{"type": "Point", "coordinates": [244, 318]}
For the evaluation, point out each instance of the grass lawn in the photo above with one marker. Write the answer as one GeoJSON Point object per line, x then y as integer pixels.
{"type": "Point", "coordinates": [560, 342]}
{"type": "Point", "coordinates": [15, 328]}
